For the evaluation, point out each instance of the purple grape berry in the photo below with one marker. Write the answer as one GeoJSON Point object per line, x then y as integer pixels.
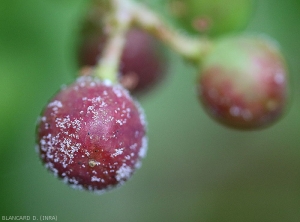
{"type": "Point", "coordinates": [92, 135]}
{"type": "Point", "coordinates": [143, 63]}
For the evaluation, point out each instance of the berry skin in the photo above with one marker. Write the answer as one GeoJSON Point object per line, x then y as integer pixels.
{"type": "Point", "coordinates": [92, 135]}
{"type": "Point", "coordinates": [243, 82]}
{"type": "Point", "coordinates": [143, 63]}
{"type": "Point", "coordinates": [214, 17]}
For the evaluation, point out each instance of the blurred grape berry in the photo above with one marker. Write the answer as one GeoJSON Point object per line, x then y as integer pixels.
{"type": "Point", "coordinates": [214, 17]}
{"type": "Point", "coordinates": [143, 62]}
{"type": "Point", "coordinates": [243, 82]}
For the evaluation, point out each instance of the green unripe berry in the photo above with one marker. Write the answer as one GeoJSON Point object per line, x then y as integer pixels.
{"type": "Point", "coordinates": [212, 17]}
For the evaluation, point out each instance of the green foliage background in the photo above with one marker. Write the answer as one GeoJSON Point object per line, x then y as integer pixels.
{"type": "Point", "coordinates": [196, 170]}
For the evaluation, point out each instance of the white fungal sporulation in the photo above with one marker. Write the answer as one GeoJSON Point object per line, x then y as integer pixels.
{"type": "Point", "coordinates": [62, 140]}
{"type": "Point", "coordinates": [50, 166]}
{"type": "Point", "coordinates": [144, 147]}
{"type": "Point", "coordinates": [76, 124]}
{"type": "Point", "coordinates": [133, 146]}
{"type": "Point", "coordinates": [107, 82]}
{"type": "Point", "coordinates": [90, 109]}
{"type": "Point", "coordinates": [117, 91]}
{"type": "Point", "coordinates": [138, 164]}
{"type": "Point", "coordinates": [55, 103]}
{"type": "Point", "coordinates": [121, 121]}
{"type": "Point", "coordinates": [142, 115]}
{"type": "Point", "coordinates": [73, 181]}
{"type": "Point", "coordinates": [94, 178]}
{"type": "Point", "coordinates": [117, 152]}
{"type": "Point", "coordinates": [123, 173]}
{"type": "Point", "coordinates": [127, 157]}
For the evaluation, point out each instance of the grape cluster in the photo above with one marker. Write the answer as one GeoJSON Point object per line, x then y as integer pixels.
{"type": "Point", "coordinates": [92, 133]}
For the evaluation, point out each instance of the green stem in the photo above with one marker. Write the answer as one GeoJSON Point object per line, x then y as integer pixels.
{"type": "Point", "coordinates": [125, 13]}
{"type": "Point", "coordinates": [188, 47]}
{"type": "Point", "coordinates": [118, 23]}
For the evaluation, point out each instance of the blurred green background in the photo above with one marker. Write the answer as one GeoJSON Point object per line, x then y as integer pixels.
{"type": "Point", "coordinates": [195, 170]}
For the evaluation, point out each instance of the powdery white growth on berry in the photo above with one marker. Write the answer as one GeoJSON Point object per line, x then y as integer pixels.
{"type": "Point", "coordinates": [92, 135]}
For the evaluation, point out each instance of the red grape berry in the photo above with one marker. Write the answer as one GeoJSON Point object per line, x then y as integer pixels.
{"type": "Point", "coordinates": [243, 82]}
{"type": "Point", "coordinates": [92, 135]}
{"type": "Point", "coordinates": [143, 63]}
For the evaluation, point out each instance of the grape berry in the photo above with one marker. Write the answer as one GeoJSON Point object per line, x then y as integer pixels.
{"type": "Point", "coordinates": [212, 18]}
{"type": "Point", "coordinates": [92, 135]}
{"type": "Point", "coordinates": [243, 82]}
{"type": "Point", "coordinates": [143, 63]}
